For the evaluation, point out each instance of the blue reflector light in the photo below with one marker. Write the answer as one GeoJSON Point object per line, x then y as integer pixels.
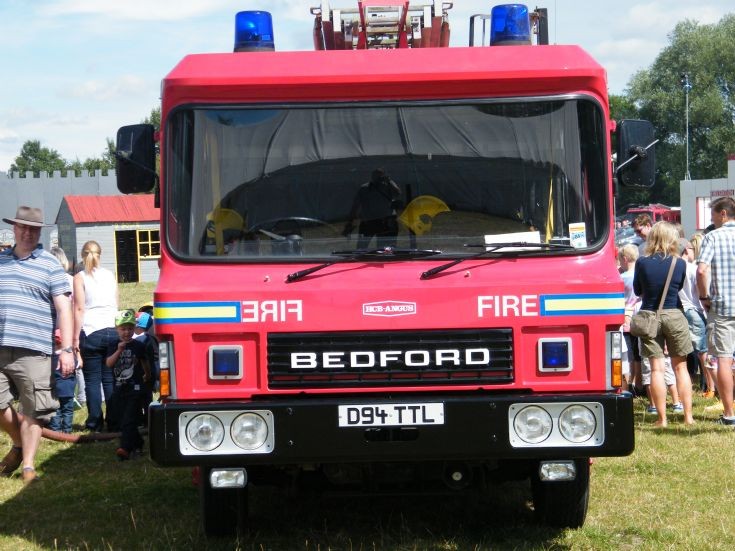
{"type": "Point", "coordinates": [554, 354]}
{"type": "Point", "coordinates": [510, 25]}
{"type": "Point", "coordinates": [225, 362]}
{"type": "Point", "coordinates": [253, 31]}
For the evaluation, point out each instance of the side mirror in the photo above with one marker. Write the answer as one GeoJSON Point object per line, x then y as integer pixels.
{"type": "Point", "coordinates": [636, 154]}
{"type": "Point", "coordinates": [135, 158]}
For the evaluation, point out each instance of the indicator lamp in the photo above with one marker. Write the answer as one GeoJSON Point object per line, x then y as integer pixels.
{"type": "Point", "coordinates": [555, 354]}
{"type": "Point", "coordinates": [254, 31]}
{"type": "Point", "coordinates": [510, 25]}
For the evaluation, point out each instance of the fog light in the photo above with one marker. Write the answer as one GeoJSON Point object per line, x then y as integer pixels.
{"type": "Point", "coordinates": [532, 424]}
{"type": "Point", "coordinates": [577, 423]}
{"type": "Point", "coordinates": [249, 431]}
{"type": "Point", "coordinates": [205, 432]}
{"type": "Point", "coordinates": [557, 471]}
{"type": "Point", "coordinates": [228, 478]}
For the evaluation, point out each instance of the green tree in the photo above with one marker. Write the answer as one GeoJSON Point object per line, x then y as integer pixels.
{"type": "Point", "coordinates": [104, 163]}
{"type": "Point", "coordinates": [705, 54]}
{"type": "Point", "coordinates": [36, 159]}
{"type": "Point", "coordinates": [154, 118]}
{"type": "Point", "coordinates": [622, 107]}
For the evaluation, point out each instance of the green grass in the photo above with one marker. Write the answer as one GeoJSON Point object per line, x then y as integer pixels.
{"type": "Point", "coordinates": [675, 492]}
{"type": "Point", "coordinates": [135, 295]}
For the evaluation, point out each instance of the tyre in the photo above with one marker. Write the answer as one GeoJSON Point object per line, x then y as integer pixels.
{"type": "Point", "coordinates": [224, 512]}
{"type": "Point", "coordinates": [563, 504]}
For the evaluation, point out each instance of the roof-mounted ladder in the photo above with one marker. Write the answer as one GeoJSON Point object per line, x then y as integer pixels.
{"type": "Point", "coordinates": [381, 24]}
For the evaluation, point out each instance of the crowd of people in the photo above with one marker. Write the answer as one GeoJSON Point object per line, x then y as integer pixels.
{"type": "Point", "coordinates": [690, 285]}
{"type": "Point", "coordinates": [64, 344]}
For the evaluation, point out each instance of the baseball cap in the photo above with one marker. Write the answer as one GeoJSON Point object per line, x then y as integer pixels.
{"type": "Point", "coordinates": [144, 320]}
{"type": "Point", "coordinates": [125, 317]}
{"type": "Point", "coordinates": [683, 245]}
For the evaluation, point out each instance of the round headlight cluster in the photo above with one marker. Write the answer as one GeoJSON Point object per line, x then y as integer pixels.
{"type": "Point", "coordinates": [205, 432]}
{"type": "Point", "coordinates": [577, 424]}
{"type": "Point", "coordinates": [249, 431]}
{"type": "Point", "coordinates": [533, 424]}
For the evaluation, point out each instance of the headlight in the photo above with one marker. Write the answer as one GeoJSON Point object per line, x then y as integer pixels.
{"type": "Point", "coordinates": [532, 424]}
{"type": "Point", "coordinates": [577, 423]}
{"type": "Point", "coordinates": [205, 432]}
{"type": "Point", "coordinates": [249, 431]}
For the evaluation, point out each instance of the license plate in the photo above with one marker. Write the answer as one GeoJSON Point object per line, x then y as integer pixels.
{"type": "Point", "coordinates": [391, 415]}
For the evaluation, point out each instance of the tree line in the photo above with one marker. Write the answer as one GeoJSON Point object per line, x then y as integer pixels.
{"type": "Point", "coordinates": [36, 158]}
{"type": "Point", "coordinates": [699, 61]}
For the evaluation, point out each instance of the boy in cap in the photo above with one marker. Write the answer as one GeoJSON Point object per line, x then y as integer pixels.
{"type": "Point", "coordinates": [131, 370]}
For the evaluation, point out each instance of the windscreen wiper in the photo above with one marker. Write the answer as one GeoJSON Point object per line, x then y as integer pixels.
{"type": "Point", "coordinates": [384, 254]}
{"type": "Point", "coordinates": [493, 248]}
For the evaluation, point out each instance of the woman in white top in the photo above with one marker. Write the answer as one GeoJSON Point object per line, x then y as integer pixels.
{"type": "Point", "coordinates": [694, 311]}
{"type": "Point", "coordinates": [95, 308]}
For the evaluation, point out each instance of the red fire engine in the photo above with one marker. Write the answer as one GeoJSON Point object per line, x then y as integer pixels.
{"type": "Point", "coordinates": [657, 212]}
{"type": "Point", "coordinates": [388, 260]}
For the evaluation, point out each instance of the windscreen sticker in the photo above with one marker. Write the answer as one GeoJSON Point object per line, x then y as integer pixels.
{"type": "Point", "coordinates": [578, 235]}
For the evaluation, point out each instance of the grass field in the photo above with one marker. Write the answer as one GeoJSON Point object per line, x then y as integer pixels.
{"type": "Point", "coordinates": [674, 492]}
{"type": "Point", "coordinates": [134, 295]}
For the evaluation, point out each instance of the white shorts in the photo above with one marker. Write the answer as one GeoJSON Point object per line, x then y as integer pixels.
{"type": "Point", "coordinates": [669, 377]}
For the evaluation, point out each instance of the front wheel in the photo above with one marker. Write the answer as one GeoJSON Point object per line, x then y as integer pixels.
{"type": "Point", "coordinates": [224, 511]}
{"type": "Point", "coordinates": [563, 504]}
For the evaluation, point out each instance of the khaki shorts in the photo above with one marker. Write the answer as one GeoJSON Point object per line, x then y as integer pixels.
{"type": "Point", "coordinates": [26, 374]}
{"type": "Point", "coordinates": [720, 335]}
{"type": "Point", "coordinates": [673, 332]}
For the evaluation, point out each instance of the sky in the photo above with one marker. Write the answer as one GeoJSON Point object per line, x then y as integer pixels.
{"type": "Point", "coordinates": [73, 71]}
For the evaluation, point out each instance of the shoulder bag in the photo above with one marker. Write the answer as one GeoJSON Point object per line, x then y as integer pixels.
{"type": "Point", "coordinates": [645, 323]}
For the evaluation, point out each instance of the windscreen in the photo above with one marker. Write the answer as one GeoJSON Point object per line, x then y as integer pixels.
{"type": "Point", "coordinates": [279, 184]}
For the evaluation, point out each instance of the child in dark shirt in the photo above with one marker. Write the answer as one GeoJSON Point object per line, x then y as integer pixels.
{"type": "Point", "coordinates": [130, 369]}
{"type": "Point", "coordinates": [64, 388]}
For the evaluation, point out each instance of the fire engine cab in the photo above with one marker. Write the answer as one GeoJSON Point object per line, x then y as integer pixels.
{"type": "Point", "coordinates": [388, 259]}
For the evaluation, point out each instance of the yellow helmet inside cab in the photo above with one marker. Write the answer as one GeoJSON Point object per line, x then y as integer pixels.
{"type": "Point", "coordinates": [225, 220]}
{"type": "Point", "coordinates": [419, 213]}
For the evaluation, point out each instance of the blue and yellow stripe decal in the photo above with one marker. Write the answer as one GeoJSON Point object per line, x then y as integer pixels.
{"type": "Point", "coordinates": [197, 312]}
{"type": "Point", "coordinates": [589, 304]}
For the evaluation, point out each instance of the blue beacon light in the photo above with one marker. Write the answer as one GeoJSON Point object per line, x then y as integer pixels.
{"type": "Point", "coordinates": [253, 31]}
{"type": "Point", "coordinates": [510, 25]}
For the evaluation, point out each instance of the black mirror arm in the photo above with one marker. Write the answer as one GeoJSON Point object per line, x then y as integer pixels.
{"type": "Point", "coordinates": [126, 159]}
{"type": "Point", "coordinates": [640, 153]}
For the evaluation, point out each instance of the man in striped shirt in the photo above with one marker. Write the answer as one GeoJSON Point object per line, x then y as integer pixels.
{"type": "Point", "coordinates": [716, 287]}
{"type": "Point", "coordinates": [34, 294]}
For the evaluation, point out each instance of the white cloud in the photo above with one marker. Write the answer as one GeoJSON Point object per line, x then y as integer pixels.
{"type": "Point", "coordinates": [662, 17]}
{"type": "Point", "coordinates": [160, 10]}
{"type": "Point", "coordinates": [171, 10]}
{"type": "Point", "coordinates": [106, 90]}
{"type": "Point", "coordinates": [7, 135]}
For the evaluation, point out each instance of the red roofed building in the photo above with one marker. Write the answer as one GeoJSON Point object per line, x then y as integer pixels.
{"type": "Point", "coordinates": [125, 226]}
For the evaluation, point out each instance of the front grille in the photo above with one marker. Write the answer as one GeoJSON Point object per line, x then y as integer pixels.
{"type": "Point", "coordinates": [389, 359]}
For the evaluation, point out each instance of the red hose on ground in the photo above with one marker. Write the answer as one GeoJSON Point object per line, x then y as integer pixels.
{"type": "Point", "coordinates": [76, 438]}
